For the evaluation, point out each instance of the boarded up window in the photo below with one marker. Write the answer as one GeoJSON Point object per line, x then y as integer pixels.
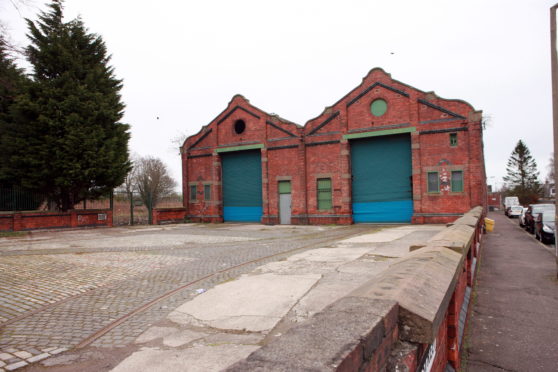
{"type": "Point", "coordinates": [324, 194]}
{"type": "Point", "coordinates": [207, 192]}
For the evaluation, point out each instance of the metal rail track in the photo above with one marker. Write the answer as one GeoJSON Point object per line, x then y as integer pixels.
{"type": "Point", "coordinates": [122, 319]}
{"type": "Point", "coordinates": [100, 333]}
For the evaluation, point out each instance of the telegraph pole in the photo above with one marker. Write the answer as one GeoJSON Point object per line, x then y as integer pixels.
{"type": "Point", "coordinates": [554, 68]}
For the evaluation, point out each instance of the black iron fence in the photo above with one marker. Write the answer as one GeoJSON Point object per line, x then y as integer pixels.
{"type": "Point", "coordinates": [17, 199]}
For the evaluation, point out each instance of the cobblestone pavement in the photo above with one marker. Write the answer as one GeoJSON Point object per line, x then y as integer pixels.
{"type": "Point", "coordinates": [59, 288]}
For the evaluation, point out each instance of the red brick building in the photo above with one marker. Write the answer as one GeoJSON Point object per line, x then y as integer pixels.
{"type": "Point", "coordinates": [385, 152]}
{"type": "Point", "coordinates": [494, 200]}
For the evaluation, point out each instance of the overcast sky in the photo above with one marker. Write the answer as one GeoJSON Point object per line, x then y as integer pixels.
{"type": "Point", "coordinates": [182, 61]}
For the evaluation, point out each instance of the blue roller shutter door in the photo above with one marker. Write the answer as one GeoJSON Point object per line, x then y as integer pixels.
{"type": "Point", "coordinates": [242, 186]}
{"type": "Point", "coordinates": [381, 178]}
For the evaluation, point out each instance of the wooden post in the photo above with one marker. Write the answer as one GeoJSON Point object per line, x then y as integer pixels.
{"type": "Point", "coordinates": [149, 208]}
{"type": "Point", "coordinates": [131, 196]}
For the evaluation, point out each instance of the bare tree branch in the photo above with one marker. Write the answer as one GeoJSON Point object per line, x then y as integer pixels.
{"type": "Point", "coordinates": [152, 179]}
{"type": "Point", "coordinates": [9, 46]}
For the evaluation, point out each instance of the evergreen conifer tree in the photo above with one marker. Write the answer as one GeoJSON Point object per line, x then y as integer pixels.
{"type": "Point", "coordinates": [12, 82]}
{"type": "Point", "coordinates": [66, 139]}
{"type": "Point", "coordinates": [522, 175]}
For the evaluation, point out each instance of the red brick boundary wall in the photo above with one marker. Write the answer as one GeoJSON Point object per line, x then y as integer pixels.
{"type": "Point", "coordinates": [21, 221]}
{"type": "Point", "coordinates": [410, 318]}
{"type": "Point", "coordinates": [169, 215]}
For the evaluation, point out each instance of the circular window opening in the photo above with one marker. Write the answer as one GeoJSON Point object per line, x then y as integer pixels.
{"type": "Point", "coordinates": [378, 107]}
{"type": "Point", "coordinates": [239, 126]}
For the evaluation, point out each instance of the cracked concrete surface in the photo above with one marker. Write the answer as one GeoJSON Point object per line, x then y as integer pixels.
{"type": "Point", "coordinates": [233, 319]}
{"type": "Point", "coordinates": [197, 358]}
{"type": "Point", "coordinates": [252, 303]}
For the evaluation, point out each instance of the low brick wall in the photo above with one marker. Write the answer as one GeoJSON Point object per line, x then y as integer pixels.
{"type": "Point", "coordinates": [169, 215]}
{"type": "Point", "coordinates": [410, 318]}
{"type": "Point", "coordinates": [21, 221]}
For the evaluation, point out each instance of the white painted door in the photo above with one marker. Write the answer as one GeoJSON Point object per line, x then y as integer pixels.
{"type": "Point", "coordinates": [285, 209]}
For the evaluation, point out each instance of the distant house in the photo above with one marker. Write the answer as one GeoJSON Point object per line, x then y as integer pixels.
{"type": "Point", "coordinates": [386, 152]}
{"type": "Point", "coordinates": [494, 200]}
{"type": "Point", "coordinates": [549, 190]}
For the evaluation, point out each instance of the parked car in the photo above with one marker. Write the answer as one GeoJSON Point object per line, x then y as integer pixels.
{"type": "Point", "coordinates": [521, 217]}
{"type": "Point", "coordinates": [532, 213]}
{"type": "Point", "coordinates": [510, 201]}
{"type": "Point", "coordinates": [514, 211]}
{"type": "Point", "coordinates": [545, 227]}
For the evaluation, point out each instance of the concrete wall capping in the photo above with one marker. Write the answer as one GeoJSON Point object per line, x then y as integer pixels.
{"type": "Point", "coordinates": [467, 219]}
{"type": "Point", "coordinates": [456, 237]}
{"type": "Point", "coordinates": [350, 329]}
{"type": "Point", "coordinates": [422, 284]}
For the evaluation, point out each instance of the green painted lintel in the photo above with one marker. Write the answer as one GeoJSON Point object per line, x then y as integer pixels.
{"type": "Point", "coordinates": [380, 133]}
{"type": "Point", "coordinates": [240, 148]}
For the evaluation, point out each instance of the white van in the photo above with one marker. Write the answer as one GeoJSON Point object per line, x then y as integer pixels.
{"type": "Point", "coordinates": [510, 201]}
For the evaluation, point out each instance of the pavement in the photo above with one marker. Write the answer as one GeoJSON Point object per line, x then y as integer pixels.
{"type": "Point", "coordinates": [514, 323]}
{"type": "Point", "coordinates": [191, 297]}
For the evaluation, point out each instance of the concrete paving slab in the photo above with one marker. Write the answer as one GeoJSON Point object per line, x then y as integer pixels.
{"type": "Point", "coordinates": [207, 358]}
{"type": "Point", "coordinates": [368, 265]}
{"type": "Point", "coordinates": [317, 261]}
{"type": "Point", "coordinates": [182, 337]}
{"type": "Point", "coordinates": [414, 228]}
{"type": "Point", "coordinates": [329, 289]}
{"type": "Point", "coordinates": [299, 267]}
{"type": "Point", "coordinates": [330, 254]}
{"type": "Point", "coordinates": [386, 235]}
{"type": "Point", "coordinates": [171, 336]}
{"type": "Point", "coordinates": [232, 338]}
{"type": "Point", "coordinates": [154, 333]}
{"type": "Point", "coordinates": [252, 303]}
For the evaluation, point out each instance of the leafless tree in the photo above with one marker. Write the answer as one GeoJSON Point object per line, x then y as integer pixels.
{"type": "Point", "coordinates": [178, 140]}
{"type": "Point", "coordinates": [152, 180]}
{"type": "Point", "coordinates": [550, 177]}
{"type": "Point", "coordinates": [129, 184]}
{"type": "Point", "coordinates": [6, 42]}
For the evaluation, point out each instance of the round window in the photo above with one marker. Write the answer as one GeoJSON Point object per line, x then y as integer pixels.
{"type": "Point", "coordinates": [378, 107]}
{"type": "Point", "coordinates": [239, 126]}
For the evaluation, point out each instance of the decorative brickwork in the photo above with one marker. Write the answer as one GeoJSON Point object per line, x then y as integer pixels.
{"type": "Point", "coordinates": [446, 139]}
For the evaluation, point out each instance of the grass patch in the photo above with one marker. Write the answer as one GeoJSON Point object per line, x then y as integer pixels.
{"type": "Point", "coordinates": [227, 281]}
{"type": "Point", "coordinates": [12, 234]}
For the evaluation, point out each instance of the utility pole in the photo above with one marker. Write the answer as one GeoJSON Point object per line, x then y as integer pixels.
{"type": "Point", "coordinates": [554, 68]}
